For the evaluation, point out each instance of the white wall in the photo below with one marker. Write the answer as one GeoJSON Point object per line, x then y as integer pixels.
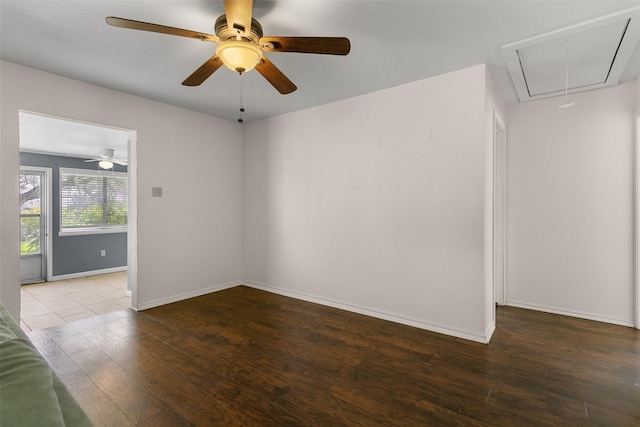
{"type": "Point", "coordinates": [376, 204]}
{"type": "Point", "coordinates": [570, 204]}
{"type": "Point", "coordinates": [190, 240]}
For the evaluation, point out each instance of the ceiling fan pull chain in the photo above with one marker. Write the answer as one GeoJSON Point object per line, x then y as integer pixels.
{"type": "Point", "coordinates": [241, 98]}
{"type": "Point", "coordinates": [566, 82]}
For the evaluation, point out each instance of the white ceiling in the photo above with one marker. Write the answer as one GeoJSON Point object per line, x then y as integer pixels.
{"type": "Point", "coordinates": [600, 44]}
{"type": "Point", "coordinates": [585, 56]}
{"type": "Point", "coordinates": [52, 135]}
{"type": "Point", "coordinates": [393, 42]}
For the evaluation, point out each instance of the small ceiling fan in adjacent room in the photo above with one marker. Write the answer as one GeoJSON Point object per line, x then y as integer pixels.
{"type": "Point", "coordinates": [106, 160]}
{"type": "Point", "coordinates": [241, 44]}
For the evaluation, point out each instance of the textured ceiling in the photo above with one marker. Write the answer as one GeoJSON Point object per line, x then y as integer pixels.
{"type": "Point", "coordinates": [393, 42]}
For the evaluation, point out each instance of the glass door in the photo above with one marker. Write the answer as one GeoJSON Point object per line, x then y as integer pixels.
{"type": "Point", "coordinates": [33, 229]}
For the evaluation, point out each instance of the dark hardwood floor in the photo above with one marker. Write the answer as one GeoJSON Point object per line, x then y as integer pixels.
{"type": "Point", "coordinates": [247, 357]}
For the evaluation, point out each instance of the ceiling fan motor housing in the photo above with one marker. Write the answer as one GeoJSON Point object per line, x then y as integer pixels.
{"type": "Point", "coordinates": [225, 33]}
{"type": "Point", "coordinates": [105, 153]}
{"type": "Point", "coordinates": [238, 48]}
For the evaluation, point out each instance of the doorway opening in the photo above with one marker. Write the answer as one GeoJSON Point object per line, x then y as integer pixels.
{"type": "Point", "coordinates": [87, 217]}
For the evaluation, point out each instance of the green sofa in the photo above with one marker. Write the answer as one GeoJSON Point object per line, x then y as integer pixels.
{"type": "Point", "coordinates": [31, 394]}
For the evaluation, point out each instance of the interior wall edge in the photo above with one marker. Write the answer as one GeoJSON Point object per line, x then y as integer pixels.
{"type": "Point", "coordinates": [495, 111]}
{"type": "Point", "coordinates": [9, 215]}
{"type": "Point", "coordinates": [636, 215]}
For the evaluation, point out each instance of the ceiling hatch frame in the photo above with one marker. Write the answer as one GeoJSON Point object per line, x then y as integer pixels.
{"type": "Point", "coordinates": [515, 55]}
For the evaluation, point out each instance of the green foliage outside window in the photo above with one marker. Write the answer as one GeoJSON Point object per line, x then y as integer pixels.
{"type": "Point", "coordinates": [29, 235]}
{"type": "Point", "coordinates": [30, 199]}
{"type": "Point", "coordinates": [91, 216]}
{"type": "Point", "coordinates": [116, 214]}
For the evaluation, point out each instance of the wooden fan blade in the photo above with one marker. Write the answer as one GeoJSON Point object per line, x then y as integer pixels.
{"type": "Point", "coordinates": [203, 73]}
{"type": "Point", "coordinates": [239, 14]}
{"type": "Point", "coordinates": [156, 28]}
{"type": "Point", "coordinates": [275, 76]}
{"type": "Point", "coordinates": [321, 45]}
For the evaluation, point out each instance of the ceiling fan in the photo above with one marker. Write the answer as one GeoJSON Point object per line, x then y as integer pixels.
{"type": "Point", "coordinates": [106, 160]}
{"type": "Point", "coordinates": [241, 44]}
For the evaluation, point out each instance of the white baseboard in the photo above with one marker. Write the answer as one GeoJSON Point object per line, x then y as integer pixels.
{"type": "Point", "coordinates": [580, 315]}
{"type": "Point", "coordinates": [368, 312]}
{"type": "Point", "coordinates": [489, 332]}
{"type": "Point", "coordinates": [86, 273]}
{"type": "Point", "coordinates": [175, 298]}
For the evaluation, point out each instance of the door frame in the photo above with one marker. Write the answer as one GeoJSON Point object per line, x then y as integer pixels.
{"type": "Point", "coordinates": [132, 223]}
{"type": "Point", "coordinates": [636, 225]}
{"type": "Point", "coordinates": [499, 157]}
{"type": "Point", "coordinates": [47, 205]}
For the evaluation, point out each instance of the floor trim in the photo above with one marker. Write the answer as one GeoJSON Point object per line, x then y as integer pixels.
{"type": "Point", "coordinates": [187, 295]}
{"type": "Point", "coordinates": [368, 312]}
{"type": "Point", "coordinates": [87, 273]}
{"type": "Point", "coordinates": [568, 313]}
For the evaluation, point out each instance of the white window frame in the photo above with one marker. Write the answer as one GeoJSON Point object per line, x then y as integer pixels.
{"type": "Point", "coordinates": [88, 230]}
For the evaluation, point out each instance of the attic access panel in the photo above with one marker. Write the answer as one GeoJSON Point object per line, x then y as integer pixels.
{"type": "Point", "coordinates": [597, 52]}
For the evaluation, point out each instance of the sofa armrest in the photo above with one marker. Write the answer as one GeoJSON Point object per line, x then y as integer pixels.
{"type": "Point", "coordinates": [31, 394]}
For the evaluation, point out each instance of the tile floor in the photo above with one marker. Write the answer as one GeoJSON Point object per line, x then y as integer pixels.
{"type": "Point", "coordinates": [53, 303]}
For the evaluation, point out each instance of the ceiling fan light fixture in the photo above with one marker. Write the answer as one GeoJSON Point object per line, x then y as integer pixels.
{"type": "Point", "coordinates": [239, 56]}
{"type": "Point", "coordinates": [105, 164]}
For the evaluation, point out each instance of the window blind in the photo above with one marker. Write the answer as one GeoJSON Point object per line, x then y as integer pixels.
{"type": "Point", "coordinates": [92, 199]}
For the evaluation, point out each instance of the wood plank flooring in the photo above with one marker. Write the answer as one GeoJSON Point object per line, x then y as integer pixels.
{"type": "Point", "coordinates": [244, 357]}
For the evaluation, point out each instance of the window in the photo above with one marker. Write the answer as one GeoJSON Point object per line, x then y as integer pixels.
{"type": "Point", "coordinates": [30, 211]}
{"type": "Point", "coordinates": [92, 201]}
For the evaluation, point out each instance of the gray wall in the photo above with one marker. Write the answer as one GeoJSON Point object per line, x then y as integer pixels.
{"type": "Point", "coordinates": [76, 254]}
